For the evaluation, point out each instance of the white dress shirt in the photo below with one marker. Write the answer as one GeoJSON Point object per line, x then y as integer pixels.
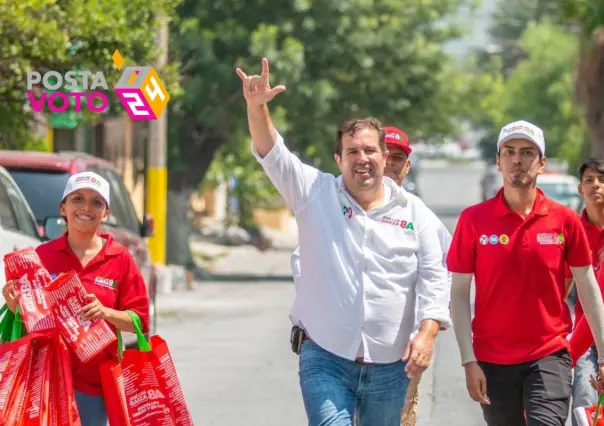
{"type": "Point", "coordinates": [362, 269]}
{"type": "Point", "coordinates": [444, 236]}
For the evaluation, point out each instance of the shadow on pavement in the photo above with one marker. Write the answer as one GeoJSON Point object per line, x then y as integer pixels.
{"type": "Point", "coordinates": [226, 278]}
{"type": "Point", "coordinates": [447, 211]}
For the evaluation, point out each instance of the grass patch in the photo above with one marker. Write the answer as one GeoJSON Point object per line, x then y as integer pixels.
{"type": "Point", "coordinates": [169, 313]}
{"type": "Point", "coordinates": [209, 258]}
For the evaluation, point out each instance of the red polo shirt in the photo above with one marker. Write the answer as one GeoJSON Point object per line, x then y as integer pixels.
{"type": "Point", "coordinates": [519, 270]}
{"type": "Point", "coordinates": [112, 275]}
{"type": "Point", "coordinates": [595, 236]}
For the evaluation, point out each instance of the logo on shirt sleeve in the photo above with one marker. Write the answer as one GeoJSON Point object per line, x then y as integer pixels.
{"type": "Point", "coordinates": [484, 240]}
{"type": "Point", "coordinates": [106, 282]}
{"type": "Point", "coordinates": [504, 239]}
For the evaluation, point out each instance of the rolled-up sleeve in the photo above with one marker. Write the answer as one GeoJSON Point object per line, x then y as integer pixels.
{"type": "Point", "coordinates": [296, 182]}
{"type": "Point", "coordinates": [433, 284]}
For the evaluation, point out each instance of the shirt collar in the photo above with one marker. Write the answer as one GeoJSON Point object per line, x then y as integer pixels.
{"type": "Point", "coordinates": [398, 192]}
{"type": "Point", "coordinates": [585, 220]}
{"type": "Point", "coordinates": [110, 248]}
{"type": "Point", "coordinates": [540, 208]}
{"type": "Point", "coordinates": [587, 224]}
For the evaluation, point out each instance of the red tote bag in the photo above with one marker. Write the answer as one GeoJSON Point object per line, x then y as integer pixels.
{"type": "Point", "coordinates": [142, 388]}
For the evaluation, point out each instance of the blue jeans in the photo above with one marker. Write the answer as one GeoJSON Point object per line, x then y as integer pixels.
{"type": "Point", "coordinates": [583, 394]}
{"type": "Point", "coordinates": [92, 409]}
{"type": "Point", "coordinates": [335, 389]}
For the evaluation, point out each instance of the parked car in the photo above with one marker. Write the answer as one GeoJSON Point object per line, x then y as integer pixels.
{"type": "Point", "coordinates": [491, 181]}
{"type": "Point", "coordinates": [562, 188]}
{"type": "Point", "coordinates": [410, 182]}
{"type": "Point", "coordinates": [42, 178]}
{"type": "Point", "coordinates": [18, 228]}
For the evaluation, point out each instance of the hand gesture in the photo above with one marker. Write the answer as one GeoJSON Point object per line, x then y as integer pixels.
{"type": "Point", "coordinates": [597, 382]}
{"type": "Point", "coordinates": [11, 295]}
{"type": "Point", "coordinates": [418, 354]}
{"type": "Point", "coordinates": [256, 88]}
{"type": "Point", "coordinates": [93, 310]}
{"type": "Point", "coordinates": [476, 383]}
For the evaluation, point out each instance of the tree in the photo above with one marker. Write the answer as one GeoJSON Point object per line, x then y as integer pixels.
{"type": "Point", "coordinates": [338, 60]}
{"type": "Point", "coordinates": [538, 89]}
{"type": "Point", "coordinates": [60, 35]}
{"type": "Point", "coordinates": [588, 15]}
{"type": "Point", "coordinates": [510, 21]}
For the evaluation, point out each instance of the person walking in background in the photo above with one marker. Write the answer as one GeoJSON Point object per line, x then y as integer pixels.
{"type": "Point", "coordinates": [515, 351]}
{"type": "Point", "coordinates": [591, 188]}
{"type": "Point", "coordinates": [398, 165]}
{"type": "Point", "coordinates": [364, 248]}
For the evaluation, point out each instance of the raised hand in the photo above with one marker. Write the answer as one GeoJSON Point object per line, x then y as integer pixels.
{"type": "Point", "coordinates": [256, 88]}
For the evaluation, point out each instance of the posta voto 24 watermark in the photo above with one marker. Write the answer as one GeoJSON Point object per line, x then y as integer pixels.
{"type": "Point", "coordinates": [139, 88]}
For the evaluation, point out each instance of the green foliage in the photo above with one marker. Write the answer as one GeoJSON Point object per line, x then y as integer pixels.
{"type": "Point", "coordinates": [588, 14]}
{"type": "Point", "coordinates": [338, 60]}
{"type": "Point", "coordinates": [61, 35]}
{"type": "Point", "coordinates": [529, 77]}
{"type": "Point", "coordinates": [253, 188]}
{"type": "Point", "coordinates": [510, 21]}
{"type": "Point", "coordinates": [540, 89]}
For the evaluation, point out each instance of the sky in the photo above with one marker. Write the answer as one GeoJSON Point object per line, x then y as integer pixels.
{"type": "Point", "coordinates": [478, 23]}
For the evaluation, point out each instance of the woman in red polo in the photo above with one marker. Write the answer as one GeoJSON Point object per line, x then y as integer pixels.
{"type": "Point", "coordinates": [98, 260]}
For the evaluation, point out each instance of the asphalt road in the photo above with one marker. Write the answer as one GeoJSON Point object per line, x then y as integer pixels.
{"type": "Point", "coordinates": [443, 396]}
{"type": "Point", "coordinates": [229, 340]}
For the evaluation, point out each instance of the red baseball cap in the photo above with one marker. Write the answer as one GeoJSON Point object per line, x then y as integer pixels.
{"type": "Point", "coordinates": [396, 137]}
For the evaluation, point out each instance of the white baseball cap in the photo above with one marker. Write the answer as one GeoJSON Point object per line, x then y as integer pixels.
{"type": "Point", "coordinates": [87, 180]}
{"type": "Point", "coordinates": [522, 130]}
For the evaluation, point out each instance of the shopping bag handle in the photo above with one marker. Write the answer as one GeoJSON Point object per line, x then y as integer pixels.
{"type": "Point", "coordinates": [11, 324]}
{"type": "Point", "coordinates": [17, 329]}
{"type": "Point", "coordinates": [143, 345]}
{"type": "Point", "coordinates": [6, 323]}
{"type": "Point", "coordinates": [598, 408]}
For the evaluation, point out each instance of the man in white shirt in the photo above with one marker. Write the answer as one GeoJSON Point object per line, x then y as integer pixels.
{"type": "Point", "coordinates": [366, 250]}
{"type": "Point", "coordinates": [397, 168]}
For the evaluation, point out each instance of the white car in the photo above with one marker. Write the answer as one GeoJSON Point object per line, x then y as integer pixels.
{"type": "Point", "coordinates": [18, 227]}
{"type": "Point", "coordinates": [562, 188]}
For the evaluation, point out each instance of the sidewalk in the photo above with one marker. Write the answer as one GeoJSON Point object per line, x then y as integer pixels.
{"type": "Point", "coordinates": [247, 260]}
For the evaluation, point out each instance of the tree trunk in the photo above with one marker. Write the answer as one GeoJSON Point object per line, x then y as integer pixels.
{"type": "Point", "coordinates": [179, 228]}
{"type": "Point", "coordinates": [590, 89]}
{"type": "Point", "coordinates": [596, 130]}
{"type": "Point", "coordinates": [197, 152]}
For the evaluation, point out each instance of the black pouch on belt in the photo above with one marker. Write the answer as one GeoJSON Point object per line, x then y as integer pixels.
{"type": "Point", "coordinates": [296, 339]}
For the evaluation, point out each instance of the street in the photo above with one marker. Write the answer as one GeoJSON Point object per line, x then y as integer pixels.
{"type": "Point", "coordinates": [230, 340]}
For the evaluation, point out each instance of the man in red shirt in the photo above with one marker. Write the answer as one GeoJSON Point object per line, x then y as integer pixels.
{"type": "Point", "coordinates": [591, 189]}
{"type": "Point", "coordinates": [516, 245]}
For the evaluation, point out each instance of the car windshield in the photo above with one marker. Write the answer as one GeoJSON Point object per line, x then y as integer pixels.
{"type": "Point", "coordinates": [561, 192]}
{"type": "Point", "coordinates": [42, 189]}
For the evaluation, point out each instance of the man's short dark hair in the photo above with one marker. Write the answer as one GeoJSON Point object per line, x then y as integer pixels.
{"type": "Point", "coordinates": [593, 163]}
{"type": "Point", "coordinates": [356, 124]}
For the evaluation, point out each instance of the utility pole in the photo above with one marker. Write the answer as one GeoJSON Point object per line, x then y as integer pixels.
{"type": "Point", "coordinates": [157, 173]}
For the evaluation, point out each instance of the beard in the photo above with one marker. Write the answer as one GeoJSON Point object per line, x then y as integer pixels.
{"type": "Point", "coordinates": [394, 176]}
